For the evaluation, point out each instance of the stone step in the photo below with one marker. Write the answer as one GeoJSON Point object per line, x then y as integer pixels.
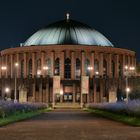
{"type": "Point", "coordinates": [67, 106]}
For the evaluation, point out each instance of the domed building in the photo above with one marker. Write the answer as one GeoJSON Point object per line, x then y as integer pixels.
{"type": "Point", "coordinates": [67, 61]}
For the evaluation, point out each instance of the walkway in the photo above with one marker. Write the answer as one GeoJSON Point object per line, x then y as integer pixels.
{"type": "Point", "coordinates": [69, 125]}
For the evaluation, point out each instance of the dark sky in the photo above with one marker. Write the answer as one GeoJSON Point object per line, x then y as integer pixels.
{"type": "Point", "coordinates": [118, 20]}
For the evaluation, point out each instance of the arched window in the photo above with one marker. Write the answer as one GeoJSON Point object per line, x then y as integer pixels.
{"type": "Point", "coordinates": [48, 62]}
{"type": "Point", "coordinates": [86, 65]}
{"type": "Point", "coordinates": [38, 67]}
{"type": "Point", "coordinates": [22, 68]}
{"type": "Point", "coordinates": [96, 65]}
{"type": "Point", "coordinates": [78, 68]}
{"type": "Point", "coordinates": [113, 69]}
{"type": "Point", "coordinates": [67, 68]}
{"type": "Point", "coordinates": [30, 68]}
{"type": "Point", "coordinates": [104, 67]}
{"type": "Point", "coordinates": [57, 67]}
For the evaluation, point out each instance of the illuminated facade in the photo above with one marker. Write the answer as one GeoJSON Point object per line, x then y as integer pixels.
{"type": "Point", "coordinates": [68, 49]}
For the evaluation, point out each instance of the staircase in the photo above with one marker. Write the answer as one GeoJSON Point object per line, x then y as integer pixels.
{"type": "Point", "coordinates": [67, 106]}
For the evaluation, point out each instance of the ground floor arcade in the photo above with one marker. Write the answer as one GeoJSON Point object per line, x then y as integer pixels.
{"type": "Point", "coordinates": [41, 90]}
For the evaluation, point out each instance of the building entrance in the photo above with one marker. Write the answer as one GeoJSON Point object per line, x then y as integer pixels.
{"type": "Point", "coordinates": [67, 97]}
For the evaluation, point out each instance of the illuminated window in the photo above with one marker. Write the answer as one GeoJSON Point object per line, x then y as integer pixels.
{"type": "Point", "coordinates": [78, 68]}
{"type": "Point", "coordinates": [48, 61]}
{"type": "Point", "coordinates": [57, 67]}
{"type": "Point", "coordinates": [86, 65]}
{"type": "Point", "coordinates": [96, 65]}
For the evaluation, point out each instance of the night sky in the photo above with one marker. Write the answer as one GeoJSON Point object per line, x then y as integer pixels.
{"type": "Point", "coordinates": [118, 20]}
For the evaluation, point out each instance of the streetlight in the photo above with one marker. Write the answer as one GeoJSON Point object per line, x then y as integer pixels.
{"type": "Point", "coordinates": [96, 73]}
{"type": "Point", "coordinates": [61, 95]}
{"type": "Point", "coordinates": [7, 90]}
{"type": "Point", "coordinates": [6, 93]}
{"type": "Point", "coordinates": [38, 73]}
{"type": "Point", "coordinates": [129, 71]}
{"type": "Point", "coordinates": [61, 92]}
{"type": "Point", "coordinates": [3, 68]}
{"type": "Point", "coordinates": [15, 95]}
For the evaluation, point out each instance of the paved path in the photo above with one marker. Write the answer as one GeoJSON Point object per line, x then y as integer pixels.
{"type": "Point", "coordinates": [69, 125]}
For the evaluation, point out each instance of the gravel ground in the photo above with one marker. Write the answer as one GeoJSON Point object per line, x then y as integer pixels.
{"type": "Point", "coordinates": [69, 125]}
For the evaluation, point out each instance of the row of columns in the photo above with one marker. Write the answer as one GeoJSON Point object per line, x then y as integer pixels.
{"type": "Point", "coordinates": [16, 58]}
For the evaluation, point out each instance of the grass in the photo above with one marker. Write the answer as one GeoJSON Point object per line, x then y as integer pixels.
{"type": "Point", "coordinates": [21, 116]}
{"type": "Point", "coordinates": [129, 120]}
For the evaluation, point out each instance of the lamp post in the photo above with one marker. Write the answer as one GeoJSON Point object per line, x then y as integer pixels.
{"type": "Point", "coordinates": [129, 71]}
{"type": "Point", "coordinates": [96, 82]}
{"type": "Point", "coordinates": [3, 69]}
{"type": "Point", "coordinates": [90, 69]}
{"type": "Point", "coordinates": [7, 90]}
{"type": "Point", "coordinates": [15, 94]}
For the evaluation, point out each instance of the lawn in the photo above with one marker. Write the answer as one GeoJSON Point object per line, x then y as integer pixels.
{"type": "Point", "coordinates": [12, 112]}
{"type": "Point", "coordinates": [128, 113]}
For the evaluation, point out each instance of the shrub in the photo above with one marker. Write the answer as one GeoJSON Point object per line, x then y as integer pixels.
{"type": "Point", "coordinates": [8, 107]}
{"type": "Point", "coordinates": [132, 108]}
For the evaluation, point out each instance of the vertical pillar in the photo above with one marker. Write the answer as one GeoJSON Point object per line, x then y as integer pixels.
{"type": "Point", "coordinates": [129, 60]}
{"type": "Point", "coordinates": [11, 58]}
{"type": "Point", "coordinates": [74, 93]}
{"type": "Point", "coordinates": [101, 64]}
{"type": "Point", "coordinates": [92, 64]}
{"type": "Point", "coordinates": [95, 96]}
{"type": "Point", "coordinates": [42, 62]}
{"type": "Point", "coordinates": [40, 92]}
{"type": "Point", "coordinates": [33, 65]}
{"type": "Point", "coordinates": [61, 96]}
{"type": "Point", "coordinates": [0, 65]}
{"type": "Point", "coordinates": [123, 65]}
{"type": "Point", "coordinates": [82, 66]}
{"type": "Point", "coordinates": [25, 65]}
{"type": "Point", "coordinates": [6, 64]}
{"type": "Point", "coordinates": [109, 64]}
{"type": "Point", "coordinates": [17, 61]}
{"type": "Point", "coordinates": [52, 63]}
{"type": "Point", "coordinates": [116, 66]}
{"type": "Point", "coordinates": [62, 65]}
{"type": "Point", "coordinates": [34, 92]}
{"type": "Point", "coordinates": [47, 92]}
{"type": "Point", "coordinates": [101, 90]}
{"type": "Point", "coordinates": [72, 66]}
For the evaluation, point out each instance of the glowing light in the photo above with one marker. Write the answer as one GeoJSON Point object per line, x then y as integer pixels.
{"type": "Point", "coordinates": [61, 92]}
{"type": "Point", "coordinates": [7, 90]}
{"type": "Point", "coordinates": [90, 68]}
{"type": "Point", "coordinates": [132, 68]}
{"type": "Point", "coordinates": [3, 68]}
{"type": "Point", "coordinates": [16, 64]}
{"type": "Point", "coordinates": [96, 73]}
{"type": "Point", "coordinates": [127, 89]}
{"type": "Point", "coordinates": [126, 67]}
{"type": "Point", "coordinates": [39, 72]}
{"type": "Point", "coordinates": [45, 68]}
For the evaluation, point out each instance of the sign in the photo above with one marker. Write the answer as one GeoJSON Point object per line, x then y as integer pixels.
{"type": "Point", "coordinates": [56, 85]}
{"type": "Point", "coordinates": [85, 85]}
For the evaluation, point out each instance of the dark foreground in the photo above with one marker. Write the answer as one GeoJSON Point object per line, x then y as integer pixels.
{"type": "Point", "coordinates": [69, 125]}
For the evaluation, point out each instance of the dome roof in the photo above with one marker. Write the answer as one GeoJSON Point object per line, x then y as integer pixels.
{"type": "Point", "coordinates": [68, 32]}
